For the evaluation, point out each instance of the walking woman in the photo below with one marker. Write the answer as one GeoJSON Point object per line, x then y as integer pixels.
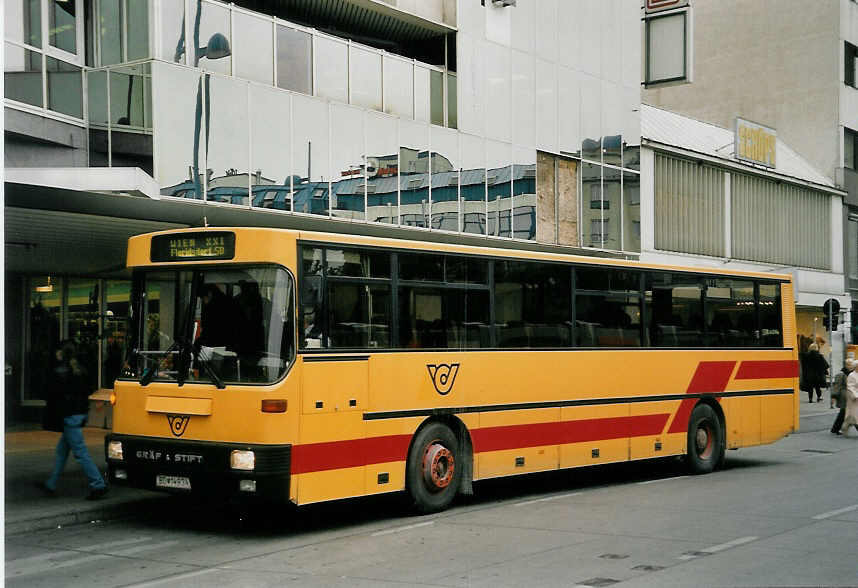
{"type": "Point", "coordinates": [851, 397]}
{"type": "Point", "coordinates": [816, 368]}
{"type": "Point", "coordinates": [68, 406]}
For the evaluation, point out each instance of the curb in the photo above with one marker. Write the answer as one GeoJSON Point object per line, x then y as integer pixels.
{"type": "Point", "coordinates": [84, 515]}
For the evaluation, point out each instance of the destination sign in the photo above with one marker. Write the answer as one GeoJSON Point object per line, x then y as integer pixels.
{"type": "Point", "coordinates": [193, 246]}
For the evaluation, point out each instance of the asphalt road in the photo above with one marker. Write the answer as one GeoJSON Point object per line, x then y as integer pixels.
{"type": "Point", "coordinates": [779, 515]}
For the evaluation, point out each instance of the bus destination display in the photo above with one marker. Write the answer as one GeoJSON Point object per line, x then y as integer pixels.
{"type": "Point", "coordinates": [193, 246]}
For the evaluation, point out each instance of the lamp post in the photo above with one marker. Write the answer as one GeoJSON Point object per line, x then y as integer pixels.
{"type": "Point", "coordinates": [218, 47]}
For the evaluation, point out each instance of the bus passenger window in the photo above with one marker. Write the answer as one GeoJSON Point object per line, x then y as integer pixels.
{"type": "Point", "coordinates": [359, 315]}
{"type": "Point", "coordinates": [533, 304]}
{"type": "Point", "coordinates": [674, 310]}
{"type": "Point", "coordinates": [730, 313]}
{"type": "Point", "coordinates": [771, 334]}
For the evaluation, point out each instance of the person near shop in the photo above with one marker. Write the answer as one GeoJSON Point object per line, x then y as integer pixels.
{"type": "Point", "coordinates": [66, 412]}
{"type": "Point", "coordinates": [838, 394]}
{"type": "Point", "coordinates": [851, 409]}
{"type": "Point", "coordinates": [816, 369]}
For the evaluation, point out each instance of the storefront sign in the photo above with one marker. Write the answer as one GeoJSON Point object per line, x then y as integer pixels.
{"type": "Point", "coordinates": [661, 5]}
{"type": "Point", "coordinates": [755, 143]}
{"type": "Point", "coordinates": [193, 246]}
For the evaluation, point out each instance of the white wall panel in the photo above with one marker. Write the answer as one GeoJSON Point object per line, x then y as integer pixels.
{"type": "Point", "coordinates": [546, 29]}
{"type": "Point", "coordinates": [524, 24]}
{"type": "Point", "coordinates": [499, 23]}
{"type": "Point", "coordinates": [471, 84]}
{"type": "Point", "coordinates": [523, 99]}
{"type": "Point", "coordinates": [498, 92]}
{"type": "Point", "coordinates": [546, 105]}
{"type": "Point", "coordinates": [568, 39]}
{"type": "Point", "coordinates": [569, 108]}
{"type": "Point", "coordinates": [590, 33]}
{"type": "Point", "coordinates": [630, 25]}
{"type": "Point", "coordinates": [472, 18]}
{"type": "Point", "coordinates": [611, 42]}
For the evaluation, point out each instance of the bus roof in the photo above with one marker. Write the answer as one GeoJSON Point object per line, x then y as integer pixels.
{"type": "Point", "coordinates": [138, 248]}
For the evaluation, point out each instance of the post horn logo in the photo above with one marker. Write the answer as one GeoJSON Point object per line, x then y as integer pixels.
{"type": "Point", "coordinates": [443, 376]}
{"type": "Point", "coordinates": [178, 423]}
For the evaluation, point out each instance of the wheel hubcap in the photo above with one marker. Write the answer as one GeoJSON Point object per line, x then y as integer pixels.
{"type": "Point", "coordinates": [703, 440]}
{"type": "Point", "coordinates": [438, 467]}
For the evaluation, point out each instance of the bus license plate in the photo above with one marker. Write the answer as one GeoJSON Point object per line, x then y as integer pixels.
{"type": "Point", "coordinates": [178, 482]}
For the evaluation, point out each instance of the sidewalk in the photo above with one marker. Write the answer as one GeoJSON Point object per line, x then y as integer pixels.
{"type": "Point", "coordinates": [30, 456]}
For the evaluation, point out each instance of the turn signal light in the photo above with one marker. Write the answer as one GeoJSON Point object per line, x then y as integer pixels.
{"type": "Point", "coordinates": [112, 399]}
{"type": "Point", "coordinates": [274, 405]}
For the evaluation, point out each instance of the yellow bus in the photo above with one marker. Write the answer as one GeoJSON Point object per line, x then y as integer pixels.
{"type": "Point", "coordinates": [314, 367]}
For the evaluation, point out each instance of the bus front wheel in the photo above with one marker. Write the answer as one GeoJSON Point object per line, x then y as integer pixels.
{"type": "Point", "coordinates": [705, 440]}
{"type": "Point", "coordinates": [434, 468]}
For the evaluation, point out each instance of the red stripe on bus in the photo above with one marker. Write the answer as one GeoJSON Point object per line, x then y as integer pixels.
{"type": "Point", "coordinates": [710, 377]}
{"type": "Point", "coordinates": [320, 457]}
{"type": "Point", "coordinates": [333, 455]}
{"type": "Point", "coordinates": [758, 370]}
{"type": "Point", "coordinates": [535, 435]}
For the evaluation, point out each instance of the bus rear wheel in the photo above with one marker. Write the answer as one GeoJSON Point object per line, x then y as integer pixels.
{"type": "Point", "coordinates": [434, 468]}
{"type": "Point", "coordinates": [705, 440]}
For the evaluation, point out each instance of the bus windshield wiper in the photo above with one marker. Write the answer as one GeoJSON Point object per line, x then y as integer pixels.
{"type": "Point", "coordinates": [206, 364]}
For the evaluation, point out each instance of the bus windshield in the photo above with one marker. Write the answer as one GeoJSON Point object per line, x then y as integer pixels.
{"type": "Point", "coordinates": [220, 325]}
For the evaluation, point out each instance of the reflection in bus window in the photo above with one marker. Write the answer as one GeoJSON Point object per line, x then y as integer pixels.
{"type": "Point", "coordinates": [436, 318]}
{"type": "Point", "coordinates": [674, 307]}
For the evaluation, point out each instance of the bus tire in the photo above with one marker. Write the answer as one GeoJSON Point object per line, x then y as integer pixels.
{"type": "Point", "coordinates": [705, 440]}
{"type": "Point", "coordinates": [434, 468]}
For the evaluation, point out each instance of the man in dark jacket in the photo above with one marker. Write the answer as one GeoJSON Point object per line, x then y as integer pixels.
{"type": "Point", "coordinates": [70, 395]}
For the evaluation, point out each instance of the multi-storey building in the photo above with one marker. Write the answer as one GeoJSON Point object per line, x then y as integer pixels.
{"type": "Point", "coordinates": [514, 123]}
{"type": "Point", "coordinates": [790, 66]}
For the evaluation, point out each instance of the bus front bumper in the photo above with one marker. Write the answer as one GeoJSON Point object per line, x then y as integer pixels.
{"type": "Point", "coordinates": [199, 467]}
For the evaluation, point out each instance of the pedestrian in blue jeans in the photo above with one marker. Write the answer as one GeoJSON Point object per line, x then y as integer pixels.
{"type": "Point", "coordinates": [66, 411]}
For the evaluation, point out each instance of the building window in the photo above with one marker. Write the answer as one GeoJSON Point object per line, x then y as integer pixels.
{"type": "Point", "coordinates": [850, 148]}
{"type": "Point", "coordinates": [849, 57]}
{"type": "Point", "coordinates": [666, 59]}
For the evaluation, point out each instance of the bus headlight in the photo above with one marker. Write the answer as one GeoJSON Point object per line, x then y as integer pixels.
{"type": "Point", "coordinates": [114, 450]}
{"type": "Point", "coordinates": [242, 460]}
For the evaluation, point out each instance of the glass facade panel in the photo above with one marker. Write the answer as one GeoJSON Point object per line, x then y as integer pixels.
{"type": "Point", "coordinates": [445, 179]}
{"type": "Point", "coordinates": [436, 97]}
{"type": "Point", "coordinates": [98, 117]}
{"type": "Point", "coordinates": [62, 25]}
{"type": "Point", "coordinates": [114, 330]}
{"type": "Point", "coordinates": [253, 47]}
{"type": "Point", "coordinates": [612, 123]}
{"type": "Point", "coordinates": [452, 102]}
{"type": "Point", "coordinates": [205, 42]}
{"type": "Point", "coordinates": [612, 208]}
{"type": "Point", "coordinates": [524, 194]}
{"type": "Point", "coordinates": [138, 29]}
{"type": "Point", "coordinates": [332, 68]}
{"type": "Point", "coordinates": [348, 179]}
{"type": "Point", "coordinates": [423, 106]}
{"type": "Point", "coordinates": [109, 31]}
{"type": "Point", "coordinates": [65, 87]}
{"type": "Point", "coordinates": [311, 172]}
{"type": "Point", "coordinates": [44, 333]}
{"type": "Point", "coordinates": [24, 21]}
{"type": "Point", "coordinates": [82, 320]}
{"type": "Point", "coordinates": [271, 152]}
{"type": "Point", "coordinates": [172, 41]}
{"type": "Point", "coordinates": [631, 212]}
{"type": "Point", "coordinates": [179, 133]}
{"type": "Point", "coordinates": [22, 76]}
{"type": "Point", "coordinates": [365, 81]}
{"type": "Point", "coordinates": [414, 174]}
{"type": "Point", "coordinates": [398, 86]}
{"type": "Point", "coordinates": [472, 178]}
{"type": "Point", "coordinates": [131, 117]}
{"type": "Point", "coordinates": [382, 168]}
{"type": "Point", "coordinates": [228, 149]}
{"type": "Point", "coordinates": [499, 188]}
{"type": "Point", "coordinates": [294, 60]}
{"type": "Point", "coordinates": [592, 220]}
